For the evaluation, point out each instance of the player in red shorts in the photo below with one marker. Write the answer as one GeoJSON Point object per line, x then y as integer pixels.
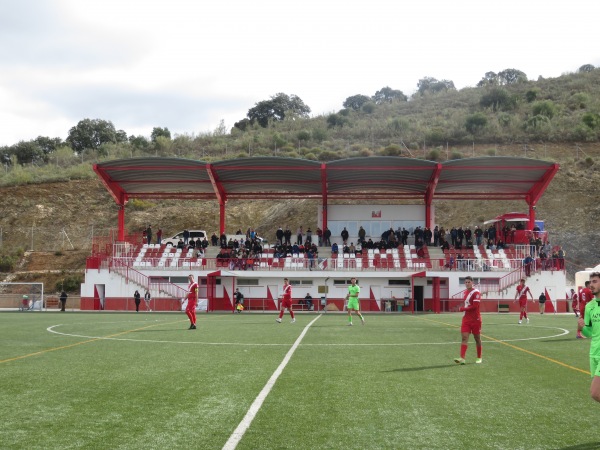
{"type": "Point", "coordinates": [575, 302]}
{"type": "Point", "coordinates": [286, 301]}
{"type": "Point", "coordinates": [585, 296]}
{"type": "Point", "coordinates": [471, 322]}
{"type": "Point", "coordinates": [192, 301]}
{"type": "Point", "coordinates": [521, 294]}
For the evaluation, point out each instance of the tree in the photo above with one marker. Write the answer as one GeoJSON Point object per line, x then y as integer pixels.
{"type": "Point", "coordinates": [276, 108]}
{"type": "Point", "coordinates": [496, 98]}
{"type": "Point", "coordinates": [91, 134]}
{"type": "Point", "coordinates": [28, 152]}
{"type": "Point", "coordinates": [586, 68]}
{"type": "Point", "coordinates": [158, 131]}
{"type": "Point", "coordinates": [140, 142]}
{"type": "Point", "coordinates": [511, 76]}
{"type": "Point", "coordinates": [433, 86]}
{"type": "Point", "coordinates": [387, 94]}
{"type": "Point", "coordinates": [475, 123]}
{"type": "Point", "coordinates": [489, 79]}
{"type": "Point", "coordinates": [592, 120]}
{"type": "Point", "coordinates": [48, 145]}
{"type": "Point", "coordinates": [356, 102]}
{"type": "Point", "coordinates": [545, 108]}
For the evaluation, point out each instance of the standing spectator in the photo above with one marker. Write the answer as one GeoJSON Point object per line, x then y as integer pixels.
{"type": "Point", "coordinates": [353, 301]}
{"type": "Point", "coordinates": [239, 299]}
{"type": "Point", "coordinates": [287, 234]}
{"type": "Point", "coordinates": [137, 299]}
{"type": "Point", "coordinates": [320, 236]}
{"type": "Point", "coordinates": [147, 299]}
{"type": "Point", "coordinates": [308, 236]}
{"type": "Point", "coordinates": [561, 258]}
{"type": "Point", "coordinates": [279, 235]}
{"type": "Point", "coordinates": [159, 236]}
{"type": "Point", "coordinates": [344, 235]}
{"type": "Point", "coordinates": [471, 321]}
{"type": "Point", "coordinates": [527, 263]}
{"type": "Point", "coordinates": [149, 235]}
{"type": "Point", "coordinates": [542, 302]}
{"type": "Point", "coordinates": [186, 237]}
{"type": "Point", "coordinates": [478, 235]}
{"type": "Point", "coordinates": [589, 325]}
{"type": "Point", "coordinates": [299, 234]}
{"type": "Point", "coordinates": [192, 301]}
{"type": "Point", "coordinates": [63, 300]}
{"type": "Point", "coordinates": [286, 301]}
{"type": "Point", "coordinates": [521, 295]}
{"type": "Point", "coordinates": [214, 240]}
{"type": "Point", "coordinates": [362, 234]}
{"type": "Point", "coordinates": [327, 237]}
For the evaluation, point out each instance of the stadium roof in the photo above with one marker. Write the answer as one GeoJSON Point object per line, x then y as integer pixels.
{"type": "Point", "coordinates": [502, 178]}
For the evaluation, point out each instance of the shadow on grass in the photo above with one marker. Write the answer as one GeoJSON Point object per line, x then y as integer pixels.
{"type": "Point", "coordinates": [588, 446]}
{"type": "Point", "coordinates": [416, 369]}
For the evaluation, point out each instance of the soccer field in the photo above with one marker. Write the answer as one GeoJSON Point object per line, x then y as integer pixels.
{"type": "Point", "coordinates": [129, 381]}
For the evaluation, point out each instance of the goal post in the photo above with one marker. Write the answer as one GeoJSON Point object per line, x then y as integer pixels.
{"type": "Point", "coordinates": [22, 296]}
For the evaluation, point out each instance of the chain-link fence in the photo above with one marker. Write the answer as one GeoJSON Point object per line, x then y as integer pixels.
{"type": "Point", "coordinates": [50, 239]}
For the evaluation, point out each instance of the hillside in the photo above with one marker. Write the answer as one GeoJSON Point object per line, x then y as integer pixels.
{"type": "Point", "coordinates": [84, 208]}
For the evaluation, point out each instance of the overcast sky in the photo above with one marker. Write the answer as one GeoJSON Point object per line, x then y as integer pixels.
{"type": "Point", "coordinates": [188, 64]}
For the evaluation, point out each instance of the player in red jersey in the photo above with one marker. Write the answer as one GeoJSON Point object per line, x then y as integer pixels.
{"type": "Point", "coordinates": [192, 301]}
{"type": "Point", "coordinates": [521, 294]}
{"type": "Point", "coordinates": [286, 301]}
{"type": "Point", "coordinates": [575, 302]}
{"type": "Point", "coordinates": [585, 296]}
{"type": "Point", "coordinates": [471, 322]}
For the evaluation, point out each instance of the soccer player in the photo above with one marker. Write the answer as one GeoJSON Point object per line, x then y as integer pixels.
{"type": "Point", "coordinates": [589, 325]}
{"type": "Point", "coordinates": [286, 301]}
{"type": "Point", "coordinates": [585, 296]}
{"type": "Point", "coordinates": [192, 301]}
{"type": "Point", "coordinates": [575, 303]}
{"type": "Point", "coordinates": [353, 302]}
{"type": "Point", "coordinates": [471, 322]}
{"type": "Point", "coordinates": [521, 294]}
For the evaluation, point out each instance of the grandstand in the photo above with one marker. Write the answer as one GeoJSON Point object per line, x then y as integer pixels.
{"type": "Point", "coordinates": [423, 278]}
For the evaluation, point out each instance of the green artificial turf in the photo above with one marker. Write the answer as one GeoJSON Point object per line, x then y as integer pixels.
{"type": "Point", "coordinates": [128, 381]}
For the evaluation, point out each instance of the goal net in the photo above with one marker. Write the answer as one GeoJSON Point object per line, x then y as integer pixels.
{"type": "Point", "coordinates": [22, 296]}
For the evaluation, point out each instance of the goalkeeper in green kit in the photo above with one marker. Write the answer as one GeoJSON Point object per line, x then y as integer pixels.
{"type": "Point", "coordinates": [589, 325]}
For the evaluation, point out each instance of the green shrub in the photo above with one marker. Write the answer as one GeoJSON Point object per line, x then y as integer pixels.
{"type": "Point", "coordinates": [70, 283]}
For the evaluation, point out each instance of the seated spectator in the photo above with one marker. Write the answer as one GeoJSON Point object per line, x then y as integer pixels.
{"type": "Point", "coordinates": [191, 244]}
{"type": "Point", "coordinates": [445, 246]}
{"type": "Point", "coordinates": [334, 248]}
{"type": "Point", "coordinates": [352, 249]}
{"type": "Point", "coordinates": [370, 244]}
{"type": "Point", "coordinates": [180, 244]}
{"type": "Point", "coordinates": [358, 248]}
{"type": "Point", "coordinates": [500, 244]}
{"type": "Point", "coordinates": [199, 252]}
{"type": "Point", "coordinates": [308, 300]}
{"type": "Point", "coordinates": [295, 249]}
{"type": "Point", "coordinates": [345, 249]}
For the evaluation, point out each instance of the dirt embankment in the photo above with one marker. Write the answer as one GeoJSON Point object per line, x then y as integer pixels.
{"type": "Point", "coordinates": [570, 208]}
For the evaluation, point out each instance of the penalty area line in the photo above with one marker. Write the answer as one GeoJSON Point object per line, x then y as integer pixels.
{"type": "Point", "coordinates": [243, 426]}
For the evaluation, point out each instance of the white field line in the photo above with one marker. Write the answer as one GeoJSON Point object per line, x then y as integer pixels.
{"type": "Point", "coordinates": [239, 432]}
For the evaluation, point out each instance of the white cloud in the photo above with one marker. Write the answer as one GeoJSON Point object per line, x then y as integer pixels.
{"type": "Point", "coordinates": [188, 65]}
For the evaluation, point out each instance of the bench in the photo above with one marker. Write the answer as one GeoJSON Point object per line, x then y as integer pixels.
{"type": "Point", "coordinates": [503, 308]}
{"type": "Point", "coordinates": [301, 306]}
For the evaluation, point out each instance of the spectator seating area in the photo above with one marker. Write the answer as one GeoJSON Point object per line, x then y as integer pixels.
{"type": "Point", "coordinates": [155, 255]}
